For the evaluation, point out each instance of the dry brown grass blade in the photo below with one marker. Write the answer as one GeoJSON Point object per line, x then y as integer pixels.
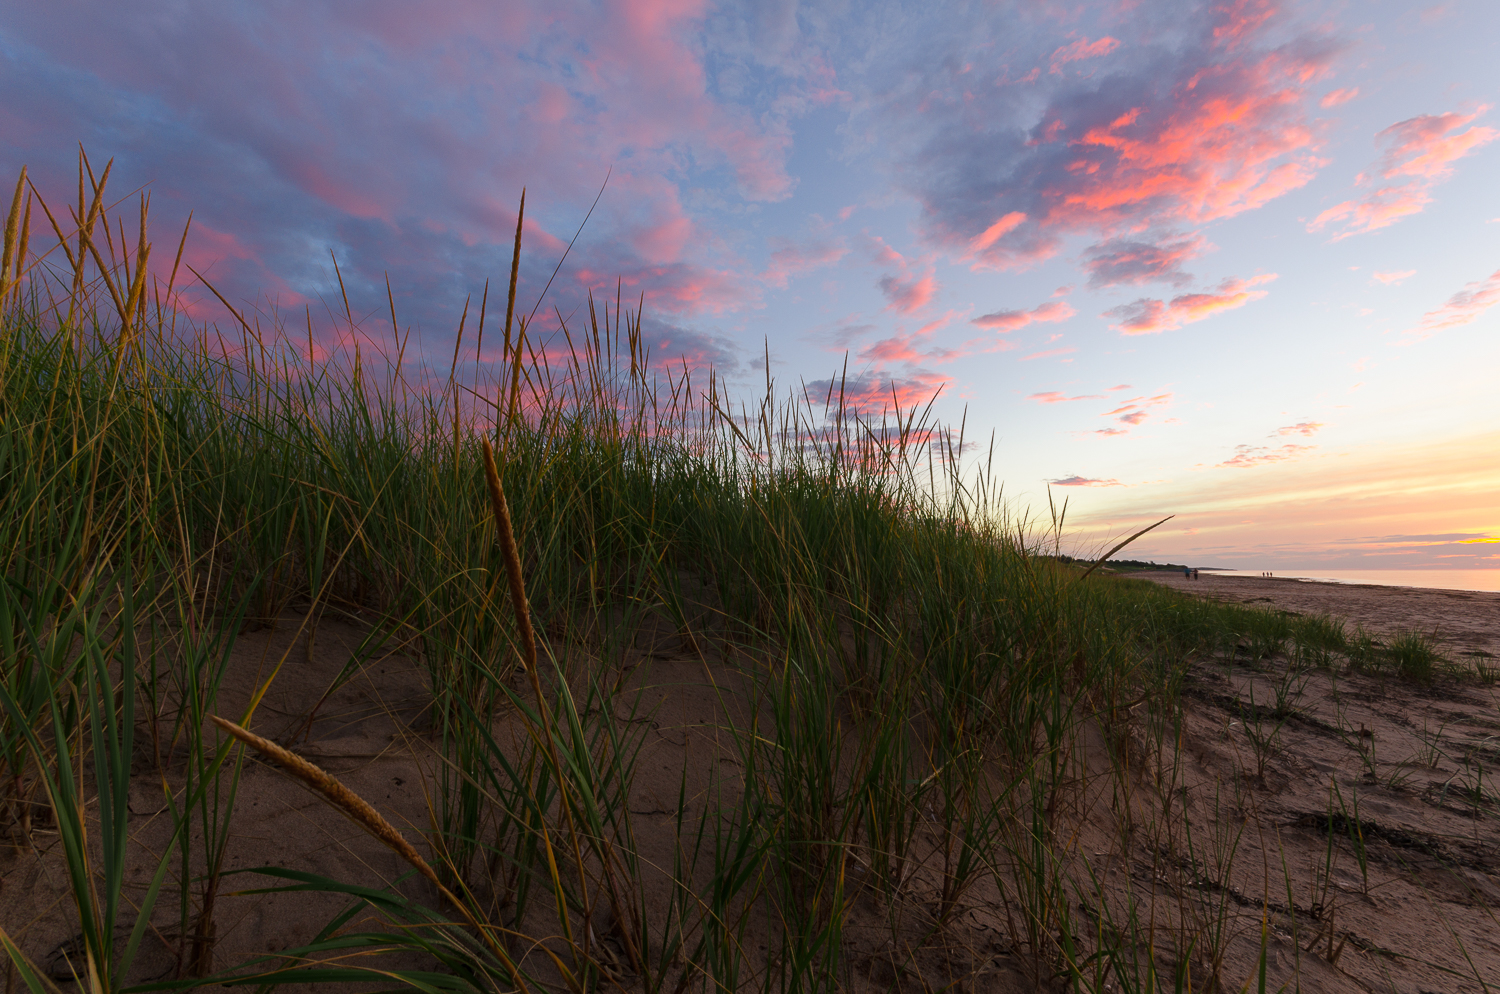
{"type": "Point", "coordinates": [515, 270]}
{"type": "Point", "coordinates": [358, 810]}
{"type": "Point", "coordinates": [24, 245]}
{"type": "Point", "coordinates": [512, 557]}
{"type": "Point", "coordinates": [341, 797]}
{"type": "Point", "coordinates": [12, 220]}
{"type": "Point", "coordinates": [1104, 558]}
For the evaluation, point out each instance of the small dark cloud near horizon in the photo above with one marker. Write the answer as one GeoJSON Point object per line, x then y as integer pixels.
{"type": "Point", "coordinates": [1084, 481]}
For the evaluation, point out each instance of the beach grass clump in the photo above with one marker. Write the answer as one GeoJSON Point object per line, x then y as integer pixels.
{"type": "Point", "coordinates": [1317, 640]}
{"type": "Point", "coordinates": [920, 712]}
{"type": "Point", "coordinates": [1414, 656]}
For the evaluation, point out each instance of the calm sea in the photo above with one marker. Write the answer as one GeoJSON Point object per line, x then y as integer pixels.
{"type": "Point", "coordinates": [1442, 579]}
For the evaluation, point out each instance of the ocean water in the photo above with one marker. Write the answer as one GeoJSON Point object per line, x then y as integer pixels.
{"type": "Point", "coordinates": [1441, 579]}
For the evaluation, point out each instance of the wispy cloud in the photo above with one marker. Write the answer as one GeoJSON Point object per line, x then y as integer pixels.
{"type": "Point", "coordinates": [1049, 353]}
{"type": "Point", "coordinates": [1004, 321]}
{"type": "Point", "coordinates": [1307, 428]}
{"type": "Point", "coordinates": [1246, 456]}
{"type": "Point", "coordinates": [1390, 279]}
{"type": "Point", "coordinates": [1084, 481]}
{"type": "Point", "coordinates": [1423, 148]}
{"type": "Point", "coordinates": [1336, 97]}
{"type": "Point", "coordinates": [1081, 49]}
{"type": "Point", "coordinates": [789, 260]}
{"type": "Point", "coordinates": [1464, 306]}
{"type": "Point", "coordinates": [1148, 316]}
{"type": "Point", "coordinates": [1055, 397]}
{"type": "Point", "coordinates": [1134, 411]}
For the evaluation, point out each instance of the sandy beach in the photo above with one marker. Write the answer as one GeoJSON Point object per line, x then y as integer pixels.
{"type": "Point", "coordinates": [1466, 624]}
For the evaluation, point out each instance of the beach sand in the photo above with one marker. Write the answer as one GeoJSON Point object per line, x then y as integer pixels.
{"type": "Point", "coordinates": [1465, 624]}
{"type": "Point", "coordinates": [1239, 846]}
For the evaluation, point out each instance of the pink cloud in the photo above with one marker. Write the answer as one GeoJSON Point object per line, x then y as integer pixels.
{"type": "Point", "coordinates": [1048, 354]}
{"type": "Point", "coordinates": [875, 395]}
{"type": "Point", "coordinates": [1134, 411]}
{"type": "Point", "coordinates": [881, 252]}
{"type": "Point", "coordinates": [1423, 147]}
{"type": "Point", "coordinates": [1215, 128]}
{"type": "Point", "coordinates": [1084, 481]}
{"type": "Point", "coordinates": [1396, 277]}
{"type": "Point", "coordinates": [914, 347]}
{"type": "Point", "coordinates": [1006, 321]}
{"type": "Point", "coordinates": [375, 133]}
{"type": "Point", "coordinates": [791, 260]}
{"type": "Point", "coordinates": [1246, 456]}
{"type": "Point", "coordinates": [1120, 261]}
{"type": "Point", "coordinates": [1054, 397]}
{"type": "Point", "coordinates": [1378, 210]}
{"type": "Point", "coordinates": [678, 288]}
{"type": "Point", "coordinates": [1308, 428]}
{"type": "Point", "coordinates": [1082, 49]}
{"type": "Point", "coordinates": [908, 295]}
{"type": "Point", "coordinates": [1426, 146]}
{"type": "Point", "coordinates": [993, 233]}
{"type": "Point", "coordinates": [1149, 317]}
{"type": "Point", "coordinates": [1337, 97]}
{"type": "Point", "coordinates": [1464, 306]}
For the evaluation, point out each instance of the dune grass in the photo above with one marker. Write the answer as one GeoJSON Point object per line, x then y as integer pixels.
{"type": "Point", "coordinates": [932, 699]}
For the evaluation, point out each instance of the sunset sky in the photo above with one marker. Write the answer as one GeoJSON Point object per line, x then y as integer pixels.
{"type": "Point", "coordinates": [1235, 262]}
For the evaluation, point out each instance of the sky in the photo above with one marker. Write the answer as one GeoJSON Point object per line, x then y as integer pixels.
{"type": "Point", "coordinates": [1234, 262]}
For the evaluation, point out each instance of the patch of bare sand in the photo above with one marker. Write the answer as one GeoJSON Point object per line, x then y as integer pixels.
{"type": "Point", "coordinates": [1346, 825]}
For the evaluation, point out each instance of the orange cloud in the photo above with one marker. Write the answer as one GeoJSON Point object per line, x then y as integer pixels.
{"type": "Point", "coordinates": [1390, 278]}
{"type": "Point", "coordinates": [1308, 428]}
{"type": "Point", "coordinates": [1148, 317]}
{"type": "Point", "coordinates": [1461, 308]}
{"type": "Point", "coordinates": [1338, 97]}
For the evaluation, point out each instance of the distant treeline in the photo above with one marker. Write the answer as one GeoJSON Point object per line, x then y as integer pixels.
{"type": "Point", "coordinates": [1124, 564]}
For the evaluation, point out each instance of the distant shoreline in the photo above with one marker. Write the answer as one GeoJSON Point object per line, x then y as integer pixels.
{"type": "Point", "coordinates": [1466, 623]}
{"type": "Point", "coordinates": [1470, 580]}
